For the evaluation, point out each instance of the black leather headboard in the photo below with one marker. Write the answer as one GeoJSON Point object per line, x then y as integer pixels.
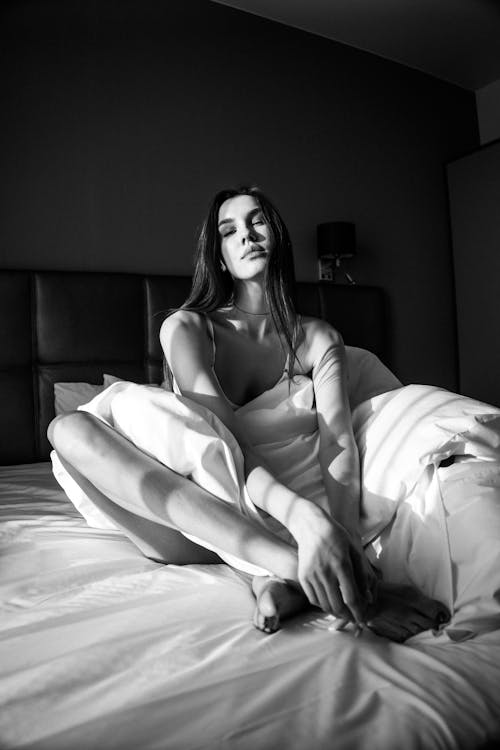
{"type": "Point", "coordinates": [71, 327]}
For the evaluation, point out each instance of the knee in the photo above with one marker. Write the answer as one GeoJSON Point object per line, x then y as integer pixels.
{"type": "Point", "coordinates": [51, 429]}
{"type": "Point", "coordinates": [67, 429]}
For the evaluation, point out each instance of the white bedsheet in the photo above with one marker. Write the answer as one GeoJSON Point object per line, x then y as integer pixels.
{"type": "Point", "coordinates": [102, 648]}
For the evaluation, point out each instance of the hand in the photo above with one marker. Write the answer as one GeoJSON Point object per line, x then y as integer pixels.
{"type": "Point", "coordinates": [330, 567]}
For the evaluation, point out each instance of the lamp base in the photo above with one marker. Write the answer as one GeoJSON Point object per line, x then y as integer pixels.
{"type": "Point", "coordinates": [328, 269]}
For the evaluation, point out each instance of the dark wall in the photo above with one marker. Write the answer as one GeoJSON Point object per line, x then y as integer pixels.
{"type": "Point", "coordinates": [474, 187]}
{"type": "Point", "coordinates": [122, 118]}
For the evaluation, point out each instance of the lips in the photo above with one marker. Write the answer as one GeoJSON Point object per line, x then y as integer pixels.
{"type": "Point", "coordinates": [253, 249]}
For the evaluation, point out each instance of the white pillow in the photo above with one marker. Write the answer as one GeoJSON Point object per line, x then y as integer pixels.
{"type": "Point", "coordinates": [110, 379]}
{"type": "Point", "coordinates": [69, 396]}
{"type": "Point", "coordinates": [367, 376]}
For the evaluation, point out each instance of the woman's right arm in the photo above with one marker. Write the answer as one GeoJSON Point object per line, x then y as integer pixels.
{"type": "Point", "coordinates": [324, 560]}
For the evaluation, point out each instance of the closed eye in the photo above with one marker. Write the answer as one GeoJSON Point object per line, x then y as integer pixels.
{"type": "Point", "coordinates": [258, 220]}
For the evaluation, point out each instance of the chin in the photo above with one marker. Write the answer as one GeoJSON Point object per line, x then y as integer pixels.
{"type": "Point", "coordinates": [256, 276]}
{"type": "Point", "coordinates": [258, 270]}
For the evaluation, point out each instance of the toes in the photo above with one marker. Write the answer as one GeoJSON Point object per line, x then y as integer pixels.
{"type": "Point", "coordinates": [435, 612]}
{"type": "Point", "coordinates": [271, 624]}
{"type": "Point", "coordinates": [267, 601]}
{"type": "Point", "coordinates": [387, 629]}
{"type": "Point", "coordinates": [417, 623]}
{"type": "Point", "coordinates": [443, 615]}
{"type": "Point", "coordinates": [266, 615]}
{"type": "Point", "coordinates": [265, 624]}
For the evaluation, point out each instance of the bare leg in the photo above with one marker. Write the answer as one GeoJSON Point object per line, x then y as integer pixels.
{"type": "Point", "coordinates": [116, 470]}
{"type": "Point", "coordinates": [155, 541]}
{"type": "Point", "coordinates": [134, 481]}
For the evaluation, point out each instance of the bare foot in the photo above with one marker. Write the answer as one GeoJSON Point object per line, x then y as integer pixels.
{"type": "Point", "coordinates": [401, 611]}
{"type": "Point", "coordinates": [276, 600]}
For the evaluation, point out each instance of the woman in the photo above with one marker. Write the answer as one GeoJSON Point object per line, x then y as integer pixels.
{"type": "Point", "coordinates": [235, 342]}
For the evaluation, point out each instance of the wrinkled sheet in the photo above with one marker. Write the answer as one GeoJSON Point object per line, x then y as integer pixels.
{"type": "Point", "coordinates": [102, 648]}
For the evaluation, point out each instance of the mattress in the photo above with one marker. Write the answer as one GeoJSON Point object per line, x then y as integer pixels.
{"type": "Point", "coordinates": [103, 648]}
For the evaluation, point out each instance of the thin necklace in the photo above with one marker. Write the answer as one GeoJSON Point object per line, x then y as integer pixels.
{"type": "Point", "coordinates": [247, 312]}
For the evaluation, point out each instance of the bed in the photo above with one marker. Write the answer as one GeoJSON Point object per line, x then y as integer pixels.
{"type": "Point", "coordinates": [101, 647]}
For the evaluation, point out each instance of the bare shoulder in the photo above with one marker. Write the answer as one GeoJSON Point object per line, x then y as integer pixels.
{"type": "Point", "coordinates": [182, 321]}
{"type": "Point", "coordinates": [318, 337]}
{"type": "Point", "coordinates": [185, 331]}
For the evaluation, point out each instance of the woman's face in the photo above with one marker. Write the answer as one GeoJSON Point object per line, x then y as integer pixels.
{"type": "Point", "coordinates": [245, 236]}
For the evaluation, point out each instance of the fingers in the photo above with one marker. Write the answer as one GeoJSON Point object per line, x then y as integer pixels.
{"type": "Point", "coordinates": [359, 567]}
{"type": "Point", "coordinates": [327, 595]}
{"type": "Point", "coordinates": [321, 596]}
{"type": "Point", "coordinates": [350, 593]}
{"type": "Point", "coordinates": [333, 576]}
{"type": "Point", "coordinates": [334, 601]}
{"type": "Point", "coordinates": [310, 592]}
{"type": "Point", "coordinates": [342, 592]}
{"type": "Point", "coordinates": [340, 624]}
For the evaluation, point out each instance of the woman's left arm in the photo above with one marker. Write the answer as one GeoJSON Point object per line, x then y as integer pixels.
{"type": "Point", "coordinates": [338, 452]}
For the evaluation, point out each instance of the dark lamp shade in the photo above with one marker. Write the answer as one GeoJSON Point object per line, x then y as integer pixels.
{"type": "Point", "coordinates": [337, 238]}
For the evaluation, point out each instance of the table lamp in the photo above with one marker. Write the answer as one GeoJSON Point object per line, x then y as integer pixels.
{"type": "Point", "coordinates": [336, 241]}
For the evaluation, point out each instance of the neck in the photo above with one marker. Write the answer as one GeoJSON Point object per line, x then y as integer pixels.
{"type": "Point", "coordinates": [252, 312]}
{"type": "Point", "coordinates": [250, 298]}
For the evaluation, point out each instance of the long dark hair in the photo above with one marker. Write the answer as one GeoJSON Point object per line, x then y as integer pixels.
{"type": "Point", "coordinates": [213, 288]}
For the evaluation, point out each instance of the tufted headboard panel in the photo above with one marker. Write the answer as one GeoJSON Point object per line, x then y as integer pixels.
{"type": "Point", "coordinates": [71, 327]}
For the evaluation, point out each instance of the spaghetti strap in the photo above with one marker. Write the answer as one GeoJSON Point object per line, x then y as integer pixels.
{"type": "Point", "coordinates": [211, 333]}
{"type": "Point", "coordinates": [287, 365]}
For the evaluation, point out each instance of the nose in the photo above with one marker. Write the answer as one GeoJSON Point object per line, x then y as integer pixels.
{"type": "Point", "coordinates": [249, 234]}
